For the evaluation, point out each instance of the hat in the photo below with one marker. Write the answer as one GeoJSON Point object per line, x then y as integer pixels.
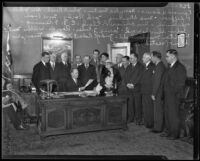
{"type": "Point", "coordinates": [108, 61]}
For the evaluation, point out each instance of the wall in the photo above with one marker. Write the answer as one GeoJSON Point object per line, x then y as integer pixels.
{"type": "Point", "coordinates": [95, 27]}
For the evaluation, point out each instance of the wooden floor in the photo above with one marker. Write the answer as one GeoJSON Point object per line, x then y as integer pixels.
{"type": "Point", "coordinates": [137, 140]}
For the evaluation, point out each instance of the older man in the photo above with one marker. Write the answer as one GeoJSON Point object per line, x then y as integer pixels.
{"type": "Point", "coordinates": [74, 83]}
{"type": "Point", "coordinates": [157, 92]}
{"type": "Point", "coordinates": [87, 74]}
{"type": "Point", "coordinates": [146, 90]}
{"type": "Point", "coordinates": [132, 80]}
{"type": "Point", "coordinates": [118, 64]}
{"type": "Point", "coordinates": [64, 72]}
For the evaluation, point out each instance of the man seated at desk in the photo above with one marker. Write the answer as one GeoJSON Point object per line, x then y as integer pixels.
{"type": "Point", "coordinates": [73, 83]}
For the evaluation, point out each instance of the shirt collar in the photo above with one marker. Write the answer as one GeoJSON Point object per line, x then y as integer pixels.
{"type": "Point", "coordinates": [147, 64]}
{"type": "Point", "coordinates": [43, 62]}
{"type": "Point", "coordinates": [172, 64]}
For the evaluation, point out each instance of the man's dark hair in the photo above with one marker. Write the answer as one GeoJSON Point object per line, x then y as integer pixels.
{"type": "Point", "coordinates": [172, 51]}
{"type": "Point", "coordinates": [135, 54]}
{"type": "Point", "coordinates": [157, 54]}
{"type": "Point", "coordinates": [44, 53]}
{"type": "Point", "coordinates": [105, 54]}
{"type": "Point", "coordinates": [96, 50]}
{"type": "Point", "coordinates": [127, 57]}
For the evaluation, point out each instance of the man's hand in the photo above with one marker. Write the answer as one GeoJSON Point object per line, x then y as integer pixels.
{"type": "Point", "coordinates": [153, 97]}
{"type": "Point", "coordinates": [130, 85]}
{"type": "Point", "coordinates": [82, 88]}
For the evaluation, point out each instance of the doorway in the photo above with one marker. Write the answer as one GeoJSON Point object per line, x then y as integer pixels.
{"type": "Point", "coordinates": [140, 43]}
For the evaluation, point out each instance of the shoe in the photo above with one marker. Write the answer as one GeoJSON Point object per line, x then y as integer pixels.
{"type": "Point", "coordinates": [22, 127]}
{"type": "Point", "coordinates": [164, 135]}
{"type": "Point", "coordinates": [172, 138]}
{"type": "Point", "coordinates": [154, 131]}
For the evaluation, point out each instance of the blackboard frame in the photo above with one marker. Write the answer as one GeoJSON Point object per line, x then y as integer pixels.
{"type": "Point", "coordinates": [55, 43]}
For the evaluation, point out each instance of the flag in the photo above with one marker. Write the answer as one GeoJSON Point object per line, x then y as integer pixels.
{"type": "Point", "coordinates": [8, 59]}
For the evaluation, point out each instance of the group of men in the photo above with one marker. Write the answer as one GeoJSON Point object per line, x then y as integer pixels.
{"type": "Point", "coordinates": [154, 91]}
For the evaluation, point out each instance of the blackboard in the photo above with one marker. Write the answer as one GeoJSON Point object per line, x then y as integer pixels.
{"type": "Point", "coordinates": [93, 27]}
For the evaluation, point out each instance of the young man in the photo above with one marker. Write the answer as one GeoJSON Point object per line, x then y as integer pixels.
{"type": "Point", "coordinates": [174, 85]}
{"type": "Point", "coordinates": [122, 70]}
{"type": "Point", "coordinates": [41, 71]}
{"type": "Point", "coordinates": [157, 92]}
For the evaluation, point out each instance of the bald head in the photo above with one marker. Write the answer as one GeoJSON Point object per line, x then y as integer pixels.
{"type": "Point", "coordinates": [119, 58]}
{"type": "Point", "coordinates": [146, 57]}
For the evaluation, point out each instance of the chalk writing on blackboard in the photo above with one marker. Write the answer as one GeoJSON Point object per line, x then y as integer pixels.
{"type": "Point", "coordinates": [99, 23]}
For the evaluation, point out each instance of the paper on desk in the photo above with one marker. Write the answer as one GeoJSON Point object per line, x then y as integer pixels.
{"type": "Point", "coordinates": [98, 88]}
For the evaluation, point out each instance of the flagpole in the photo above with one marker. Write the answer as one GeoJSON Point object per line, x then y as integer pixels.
{"type": "Point", "coordinates": [9, 53]}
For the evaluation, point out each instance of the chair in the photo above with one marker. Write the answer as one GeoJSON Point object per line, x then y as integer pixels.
{"type": "Point", "coordinates": [49, 85]}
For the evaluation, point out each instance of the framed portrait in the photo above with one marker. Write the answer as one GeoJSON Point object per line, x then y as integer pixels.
{"type": "Point", "coordinates": [118, 48]}
{"type": "Point", "coordinates": [181, 40]}
{"type": "Point", "coordinates": [58, 46]}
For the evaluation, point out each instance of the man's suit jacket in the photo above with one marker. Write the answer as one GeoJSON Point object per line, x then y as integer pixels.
{"type": "Point", "coordinates": [72, 86]}
{"type": "Point", "coordinates": [175, 78]}
{"type": "Point", "coordinates": [86, 74]}
{"type": "Point", "coordinates": [54, 72]}
{"type": "Point", "coordinates": [158, 79]}
{"type": "Point", "coordinates": [133, 75]}
{"type": "Point", "coordinates": [147, 79]}
{"type": "Point", "coordinates": [64, 71]}
{"type": "Point", "coordinates": [40, 72]}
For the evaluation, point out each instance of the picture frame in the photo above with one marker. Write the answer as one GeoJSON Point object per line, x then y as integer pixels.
{"type": "Point", "coordinates": [181, 40]}
{"type": "Point", "coordinates": [58, 46]}
{"type": "Point", "coordinates": [114, 49]}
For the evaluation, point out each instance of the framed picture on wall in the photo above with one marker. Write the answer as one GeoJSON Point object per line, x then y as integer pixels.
{"type": "Point", "coordinates": [118, 48]}
{"type": "Point", "coordinates": [181, 40]}
{"type": "Point", "coordinates": [58, 46]}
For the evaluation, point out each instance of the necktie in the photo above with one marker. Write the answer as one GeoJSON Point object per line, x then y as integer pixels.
{"type": "Point", "coordinates": [53, 65]}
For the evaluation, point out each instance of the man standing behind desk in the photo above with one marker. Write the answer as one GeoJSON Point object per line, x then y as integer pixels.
{"type": "Point", "coordinates": [146, 90]}
{"type": "Point", "coordinates": [87, 74]}
{"type": "Point", "coordinates": [132, 80]}
{"type": "Point", "coordinates": [64, 72]}
{"type": "Point", "coordinates": [118, 64]}
{"type": "Point", "coordinates": [157, 92]}
{"type": "Point", "coordinates": [53, 67]}
{"type": "Point", "coordinates": [174, 85]}
{"type": "Point", "coordinates": [41, 71]}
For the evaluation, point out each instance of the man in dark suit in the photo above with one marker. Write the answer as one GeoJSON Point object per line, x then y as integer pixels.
{"type": "Point", "coordinates": [78, 61]}
{"type": "Point", "coordinates": [174, 85]}
{"type": "Point", "coordinates": [157, 92]}
{"type": "Point", "coordinates": [53, 67]}
{"type": "Point", "coordinates": [64, 72]}
{"type": "Point", "coordinates": [118, 61]}
{"type": "Point", "coordinates": [87, 74]}
{"type": "Point", "coordinates": [132, 80]}
{"type": "Point", "coordinates": [74, 83]}
{"type": "Point", "coordinates": [41, 71]}
{"type": "Point", "coordinates": [146, 90]}
{"type": "Point", "coordinates": [99, 68]}
{"type": "Point", "coordinates": [122, 70]}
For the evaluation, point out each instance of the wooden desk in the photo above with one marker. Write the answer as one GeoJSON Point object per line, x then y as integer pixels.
{"type": "Point", "coordinates": [75, 115]}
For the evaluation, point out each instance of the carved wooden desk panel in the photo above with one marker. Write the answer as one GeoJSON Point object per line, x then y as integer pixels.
{"type": "Point", "coordinates": [75, 115]}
